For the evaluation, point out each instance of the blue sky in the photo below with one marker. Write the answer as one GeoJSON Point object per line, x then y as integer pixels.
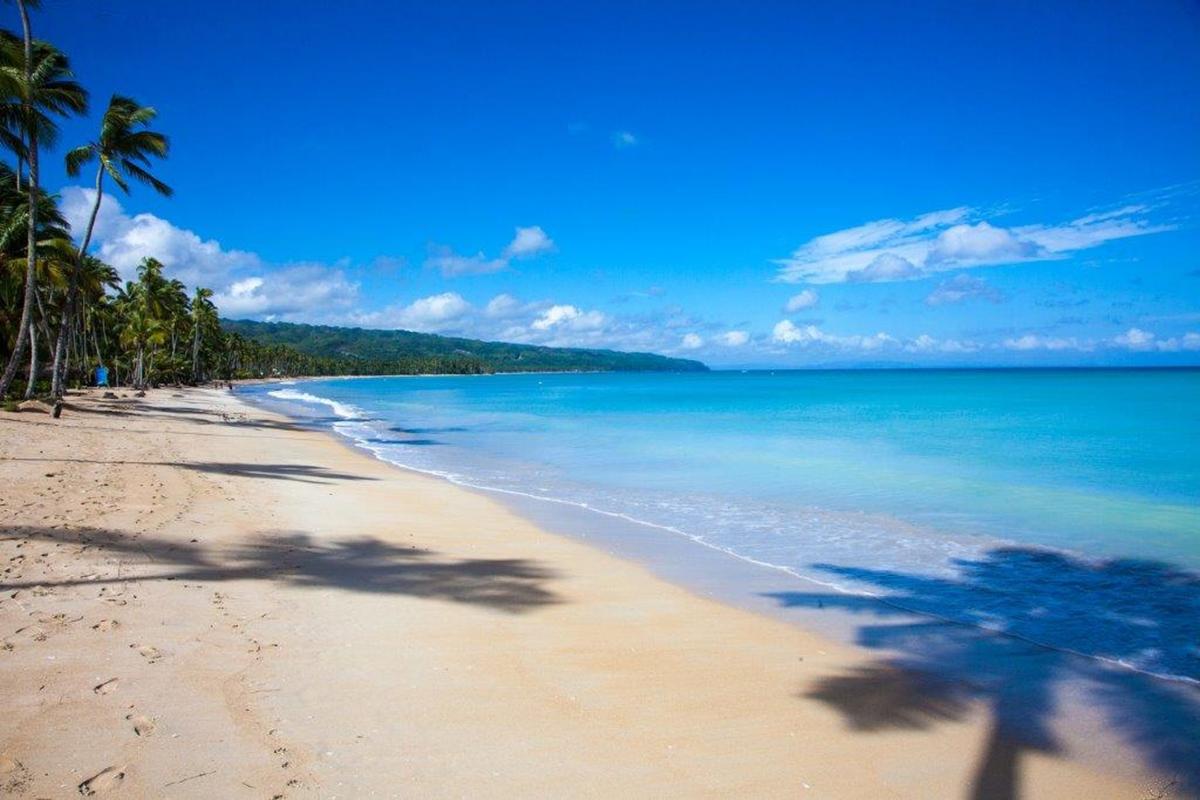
{"type": "Point", "coordinates": [749, 184]}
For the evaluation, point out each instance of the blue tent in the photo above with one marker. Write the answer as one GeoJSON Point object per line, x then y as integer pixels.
{"type": "Point", "coordinates": [102, 376]}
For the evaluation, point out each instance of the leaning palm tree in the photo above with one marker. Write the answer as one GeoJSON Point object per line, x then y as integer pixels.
{"type": "Point", "coordinates": [123, 150]}
{"type": "Point", "coordinates": [39, 79]}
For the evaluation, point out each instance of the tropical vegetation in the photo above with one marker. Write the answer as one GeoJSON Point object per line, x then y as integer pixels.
{"type": "Point", "coordinates": [357, 351]}
{"type": "Point", "coordinates": [64, 313]}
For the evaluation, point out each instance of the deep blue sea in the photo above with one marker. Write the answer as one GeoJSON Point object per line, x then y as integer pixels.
{"type": "Point", "coordinates": [1059, 506]}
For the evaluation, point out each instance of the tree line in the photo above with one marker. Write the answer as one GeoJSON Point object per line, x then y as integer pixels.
{"type": "Point", "coordinates": [63, 311]}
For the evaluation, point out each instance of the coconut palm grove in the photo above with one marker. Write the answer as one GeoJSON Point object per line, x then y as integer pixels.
{"type": "Point", "coordinates": [64, 312]}
{"type": "Point", "coordinates": [65, 315]}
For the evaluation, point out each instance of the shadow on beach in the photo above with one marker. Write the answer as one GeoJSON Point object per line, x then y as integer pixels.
{"type": "Point", "coordinates": [293, 558]}
{"type": "Point", "coordinates": [305, 473]}
{"type": "Point", "coordinates": [937, 669]}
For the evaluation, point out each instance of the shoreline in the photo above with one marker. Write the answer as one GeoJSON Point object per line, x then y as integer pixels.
{"type": "Point", "coordinates": [526, 503]}
{"type": "Point", "coordinates": [494, 658]}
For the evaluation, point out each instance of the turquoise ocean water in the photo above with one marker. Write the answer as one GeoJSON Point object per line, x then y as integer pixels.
{"type": "Point", "coordinates": [1061, 506]}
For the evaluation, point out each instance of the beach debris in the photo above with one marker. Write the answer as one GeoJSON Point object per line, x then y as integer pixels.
{"type": "Point", "coordinates": [107, 687]}
{"type": "Point", "coordinates": [34, 405]}
{"type": "Point", "coordinates": [190, 778]}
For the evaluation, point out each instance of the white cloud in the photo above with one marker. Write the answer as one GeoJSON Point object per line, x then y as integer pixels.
{"type": "Point", "coordinates": [122, 241]}
{"type": "Point", "coordinates": [526, 243]}
{"type": "Point", "coordinates": [961, 288]}
{"type": "Point", "coordinates": [928, 344]}
{"type": "Point", "coordinates": [787, 332]}
{"type": "Point", "coordinates": [503, 306]}
{"type": "Point", "coordinates": [734, 338]}
{"type": "Point", "coordinates": [892, 249]}
{"type": "Point", "coordinates": [691, 341]}
{"type": "Point", "coordinates": [883, 268]}
{"type": "Point", "coordinates": [452, 265]}
{"type": "Point", "coordinates": [569, 317]}
{"type": "Point", "coordinates": [285, 292]}
{"type": "Point", "coordinates": [1032, 341]}
{"type": "Point", "coordinates": [247, 286]}
{"type": "Point", "coordinates": [243, 284]}
{"type": "Point", "coordinates": [623, 139]}
{"type": "Point", "coordinates": [1136, 339]}
{"type": "Point", "coordinates": [436, 309]}
{"type": "Point", "coordinates": [980, 243]}
{"type": "Point", "coordinates": [529, 242]}
{"type": "Point", "coordinates": [1141, 340]}
{"type": "Point", "coordinates": [447, 312]}
{"type": "Point", "coordinates": [798, 302]}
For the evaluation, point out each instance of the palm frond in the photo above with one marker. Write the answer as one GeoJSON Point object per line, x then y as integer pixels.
{"type": "Point", "coordinates": [145, 177]}
{"type": "Point", "coordinates": [76, 158]}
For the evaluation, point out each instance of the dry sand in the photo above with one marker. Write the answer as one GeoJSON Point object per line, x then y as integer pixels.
{"type": "Point", "coordinates": [204, 600]}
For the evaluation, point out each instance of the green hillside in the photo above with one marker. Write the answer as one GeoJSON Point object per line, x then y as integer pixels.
{"type": "Point", "coordinates": [358, 351]}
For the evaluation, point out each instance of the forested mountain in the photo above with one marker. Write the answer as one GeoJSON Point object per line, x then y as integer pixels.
{"type": "Point", "coordinates": [358, 351]}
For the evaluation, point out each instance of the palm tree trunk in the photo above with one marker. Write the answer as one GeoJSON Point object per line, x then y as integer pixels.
{"type": "Point", "coordinates": [59, 370]}
{"type": "Point", "coordinates": [10, 370]}
{"type": "Point", "coordinates": [95, 340]}
{"type": "Point", "coordinates": [33, 361]}
{"type": "Point", "coordinates": [196, 352]}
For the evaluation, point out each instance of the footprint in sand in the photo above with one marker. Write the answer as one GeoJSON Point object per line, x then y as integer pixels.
{"type": "Point", "coordinates": [148, 652]}
{"type": "Point", "coordinates": [104, 781]}
{"type": "Point", "coordinates": [107, 687]}
{"type": "Point", "coordinates": [142, 726]}
{"type": "Point", "coordinates": [106, 625]}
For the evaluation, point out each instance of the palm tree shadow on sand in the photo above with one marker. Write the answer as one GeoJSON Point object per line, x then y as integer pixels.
{"type": "Point", "coordinates": [295, 558]}
{"type": "Point", "coordinates": [1122, 611]}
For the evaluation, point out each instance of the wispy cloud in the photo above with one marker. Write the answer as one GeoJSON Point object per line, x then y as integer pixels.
{"type": "Point", "coordinates": [624, 139]}
{"type": "Point", "coordinates": [962, 288]}
{"type": "Point", "coordinates": [526, 243]}
{"type": "Point", "coordinates": [454, 265]}
{"type": "Point", "coordinates": [955, 238]}
{"type": "Point", "coordinates": [798, 302]}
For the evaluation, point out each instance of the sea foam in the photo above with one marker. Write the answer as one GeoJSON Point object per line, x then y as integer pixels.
{"type": "Point", "coordinates": [342, 410]}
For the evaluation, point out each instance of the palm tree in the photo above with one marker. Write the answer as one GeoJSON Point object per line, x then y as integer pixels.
{"type": "Point", "coordinates": [204, 318]}
{"type": "Point", "coordinates": [141, 331]}
{"type": "Point", "coordinates": [41, 80]}
{"type": "Point", "coordinates": [52, 263]}
{"type": "Point", "coordinates": [122, 150]}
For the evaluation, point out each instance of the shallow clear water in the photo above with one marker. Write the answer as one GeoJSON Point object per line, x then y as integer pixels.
{"type": "Point", "coordinates": [921, 487]}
